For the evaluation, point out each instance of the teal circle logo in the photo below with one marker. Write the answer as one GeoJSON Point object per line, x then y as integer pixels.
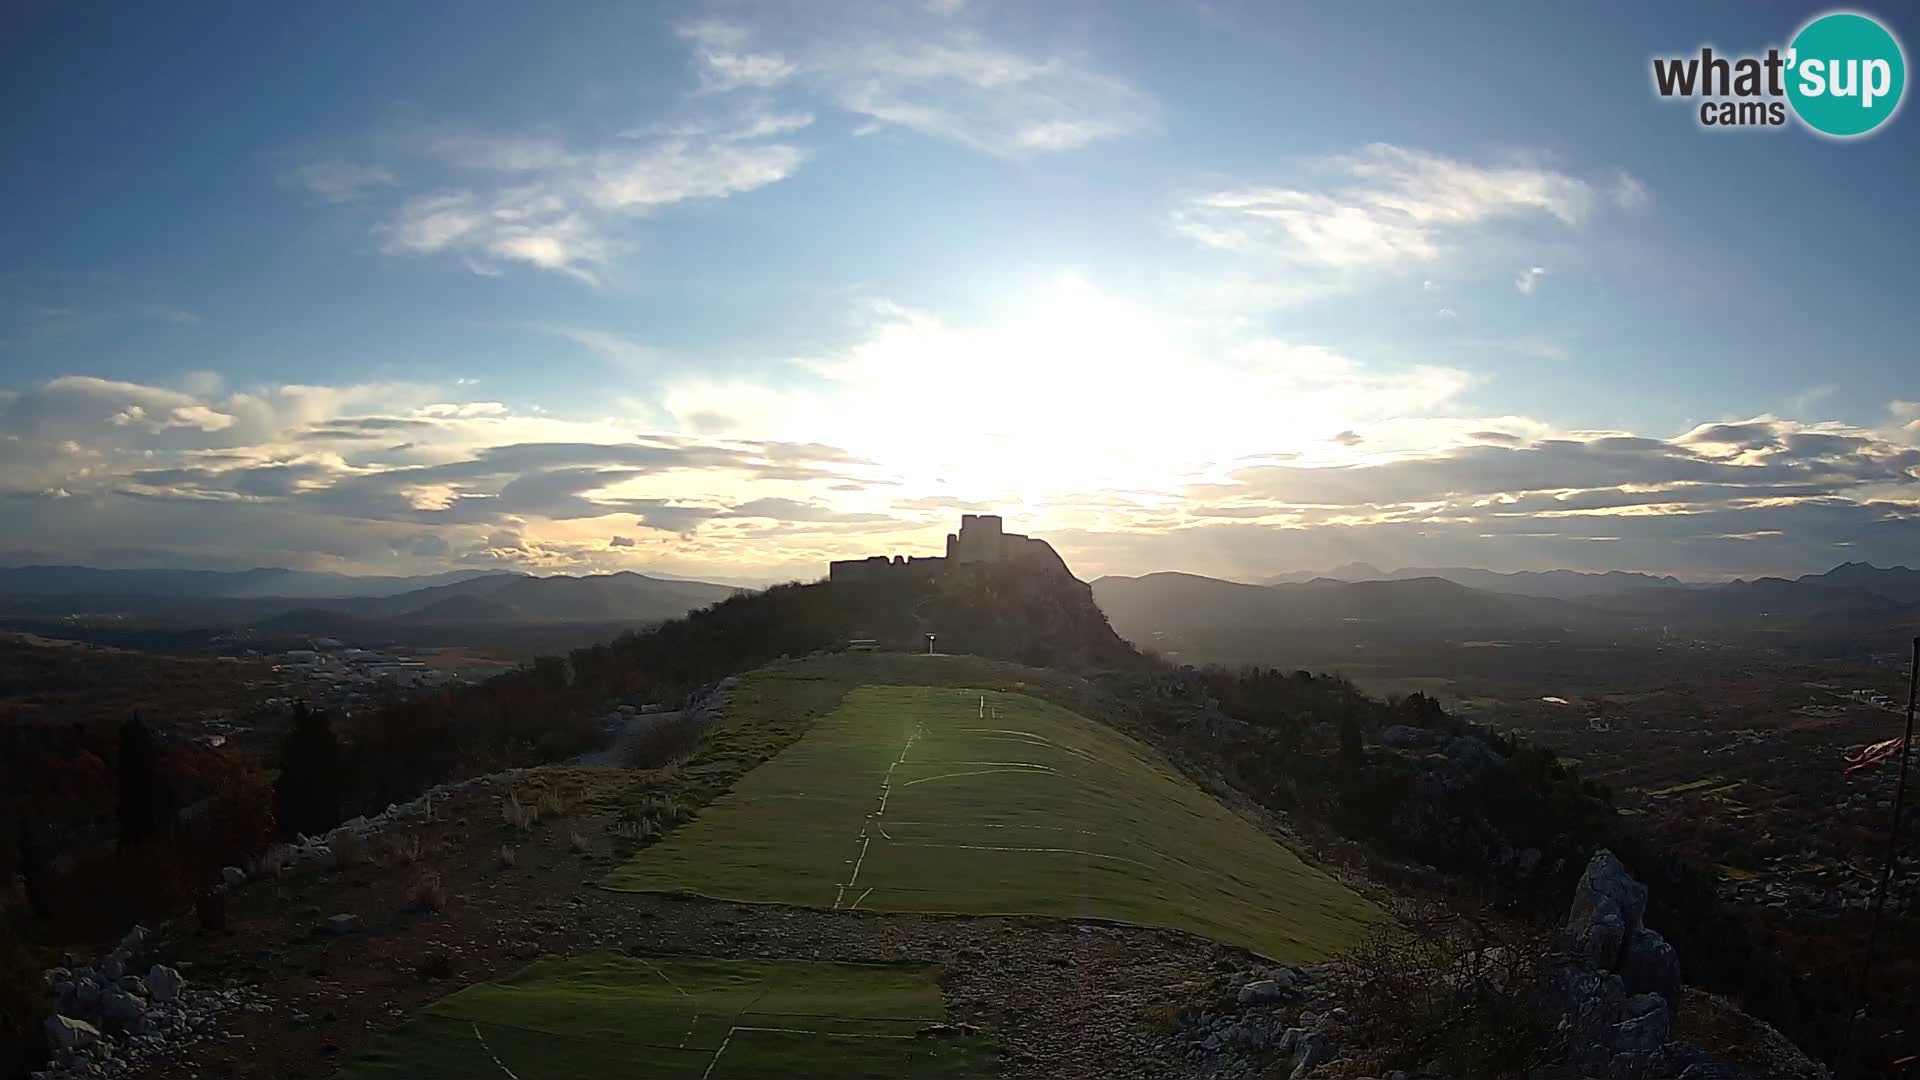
{"type": "Point", "coordinates": [1845, 73]}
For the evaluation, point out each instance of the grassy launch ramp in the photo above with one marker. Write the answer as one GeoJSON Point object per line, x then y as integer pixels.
{"type": "Point", "coordinates": [610, 1016]}
{"type": "Point", "coordinates": [949, 800]}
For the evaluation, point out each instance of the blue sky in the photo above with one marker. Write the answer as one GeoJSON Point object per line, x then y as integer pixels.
{"type": "Point", "coordinates": [728, 289]}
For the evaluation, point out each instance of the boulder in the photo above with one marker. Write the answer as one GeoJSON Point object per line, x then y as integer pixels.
{"type": "Point", "coordinates": [66, 1033]}
{"type": "Point", "coordinates": [1608, 908]}
{"type": "Point", "coordinates": [1645, 1026]}
{"type": "Point", "coordinates": [1263, 992]}
{"type": "Point", "coordinates": [342, 923]}
{"type": "Point", "coordinates": [119, 1010]}
{"type": "Point", "coordinates": [1312, 1048]}
{"type": "Point", "coordinates": [1649, 965]}
{"type": "Point", "coordinates": [164, 983]}
{"type": "Point", "coordinates": [233, 876]}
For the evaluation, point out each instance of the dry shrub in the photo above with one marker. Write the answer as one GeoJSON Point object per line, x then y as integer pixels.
{"type": "Point", "coordinates": [578, 843]}
{"type": "Point", "coordinates": [405, 848]}
{"type": "Point", "coordinates": [663, 741]}
{"type": "Point", "coordinates": [518, 815]}
{"type": "Point", "coordinates": [272, 862]}
{"type": "Point", "coordinates": [507, 856]}
{"type": "Point", "coordinates": [349, 848]}
{"type": "Point", "coordinates": [550, 804]}
{"type": "Point", "coordinates": [437, 965]}
{"type": "Point", "coordinates": [649, 821]}
{"type": "Point", "coordinates": [1451, 988]}
{"type": "Point", "coordinates": [429, 892]}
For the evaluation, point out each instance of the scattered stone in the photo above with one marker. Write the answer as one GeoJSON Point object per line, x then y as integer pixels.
{"type": "Point", "coordinates": [1262, 992]}
{"type": "Point", "coordinates": [342, 924]}
{"type": "Point", "coordinates": [66, 1033]}
{"type": "Point", "coordinates": [233, 876]}
{"type": "Point", "coordinates": [164, 983]}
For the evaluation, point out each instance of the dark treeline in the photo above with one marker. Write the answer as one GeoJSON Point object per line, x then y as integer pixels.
{"type": "Point", "coordinates": [1285, 739]}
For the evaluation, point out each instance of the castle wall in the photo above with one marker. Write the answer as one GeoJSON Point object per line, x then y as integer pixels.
{"type": "Point", "coordinates": [981, 539]}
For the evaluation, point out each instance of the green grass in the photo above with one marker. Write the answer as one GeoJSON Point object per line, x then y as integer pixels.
{"type": "Point", "coordinates": [1028, 810]}
{"type": "Point", "coordinates": [635, 1018]}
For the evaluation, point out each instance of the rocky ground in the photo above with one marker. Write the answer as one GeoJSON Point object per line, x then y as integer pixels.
{"type": "Point", "coordinates": [322, 953]}
{"type": "Point", "coordinates": [290, 989]}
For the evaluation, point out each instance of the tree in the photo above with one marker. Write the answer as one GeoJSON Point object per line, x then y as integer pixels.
{"type": "Point", "coordinates": [306, 795]}
{"type": "Point", "coordinates": [35, 868]}
{"type": "Point", "coordinates": [1350, 741]}
{"type": "Point", "coordinates": [144, 803]}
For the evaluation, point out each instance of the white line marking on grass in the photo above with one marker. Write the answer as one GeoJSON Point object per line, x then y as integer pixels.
{"type": "Point", "coordinates": [489, 1050]}
{"type": "Point", "coordinates": [979, 772]}
{"type": "Point", "coordinates": [835, 1034]}
{"type": "Point", "coordinates": [873, 819]}
{"type": "Point", "coordinates": [695, 1022]}
{"type": "Point", "coordinates": [724, 1043]}
{"type": "Point", "coordinates": [1037, 850]}
{"type": "Point", "coordinates": [863, 896]}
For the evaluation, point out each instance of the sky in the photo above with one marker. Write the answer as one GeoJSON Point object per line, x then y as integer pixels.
{"type": "Point", "coordinates": [728, 290]}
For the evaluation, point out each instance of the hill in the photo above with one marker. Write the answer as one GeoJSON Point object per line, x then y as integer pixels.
{"type": "Point", "coordinates": [216, 584]}
{"type": "Point", "coordinates": [950, 800]}
{"type": "Point", "coordinates": [1553, 584]}
{"type": "Point", "coordinates": [1319, 621]}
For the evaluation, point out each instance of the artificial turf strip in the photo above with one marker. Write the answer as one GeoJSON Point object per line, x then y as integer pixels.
{"type": "Point", "coordinates": [613, 1016]}
{"type": "Point", "coordinates": [1027, 809]}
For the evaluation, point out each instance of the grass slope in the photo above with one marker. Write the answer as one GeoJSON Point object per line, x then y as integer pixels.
{"type": "Point", "coordinates": [910, 799]}
{"type": "Point", "coordinates": [611, 1016]}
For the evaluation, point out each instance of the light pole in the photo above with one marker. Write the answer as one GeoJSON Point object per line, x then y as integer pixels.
{"type": "Point", "coordinates": [929, 644]}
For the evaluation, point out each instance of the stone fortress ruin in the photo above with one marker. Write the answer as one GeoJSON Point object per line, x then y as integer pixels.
{"type": "Point", "coordinates": [981, 540]}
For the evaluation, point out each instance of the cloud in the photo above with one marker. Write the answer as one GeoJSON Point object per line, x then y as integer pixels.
{"type": "Point", "coordinates": [547, 200]}
{"type": "Point", "coordinates": [1529, 278]}
{"type": "Point", "coordinates": [337, 181]}
{"type": "Point", "coordinates": [622, 542]}
{"type": "Point", "coordinates": [725, 63]}
{"type": "Point", "coordinates": [937, 75]}
{"type": "Point", "coordinates": [1386, 208]}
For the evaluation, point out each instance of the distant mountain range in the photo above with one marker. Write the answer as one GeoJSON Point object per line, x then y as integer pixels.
{"type": "Point", "coordinates": [274, 603]}
{"type": "Point", "coordinates": [208, 584]}
{"type": "Point", "coordinates": [1324, 617]}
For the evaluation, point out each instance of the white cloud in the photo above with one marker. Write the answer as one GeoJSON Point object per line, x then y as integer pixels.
{"type": "Point", "coordinates": [1385, 209]}
{"type": "Point", "coordinates": [1529, 278]}
{"type": "Point", "coordinates": [337, 181]}
{"type": "Point", "coordinates": [558, 209]}
{"type": "Point", "coordinates": [726, 63]}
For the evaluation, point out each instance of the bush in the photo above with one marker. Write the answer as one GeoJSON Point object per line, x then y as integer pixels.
{"type": "Point", "coordinates": [428, 892]}
{"type": "Point", "coordinates": [436, 966]}
{"type": "Point", "coordinates": [144, 803]}
{"type": "Point", "coordinates": [662, 742]}
{"type": "Point", "coordinates": [1452, 989]}
{"type": "Point", "coordinates": [518, 815]}
{"type": "Point", "coordinates": [306, 796]}
{"type": "Point", "coordinates": [506, 856]}
{"type": "Point", "coordinates": [349, 848]}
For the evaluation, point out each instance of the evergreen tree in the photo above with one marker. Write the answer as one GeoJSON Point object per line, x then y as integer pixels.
{"type": "Point", "coordinates": [306, 795]}
{"type": "Point", "coordinates": [1350, 741]}
{"type": "Point", "coordinates": [144, 804]}
{"type": "Point", "coordinates": [35, 869]}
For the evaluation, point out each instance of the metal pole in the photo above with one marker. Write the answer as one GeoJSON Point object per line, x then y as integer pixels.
{"type": "Point", "coordinates": [1893, 851]}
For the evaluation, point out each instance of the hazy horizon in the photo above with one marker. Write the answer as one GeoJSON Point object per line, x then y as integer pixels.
{"type": "Point", "coordinates": [725, 292]}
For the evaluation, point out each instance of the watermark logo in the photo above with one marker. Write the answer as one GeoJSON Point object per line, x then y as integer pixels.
{"type": "Point", "coordinates": [1842, 75]}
